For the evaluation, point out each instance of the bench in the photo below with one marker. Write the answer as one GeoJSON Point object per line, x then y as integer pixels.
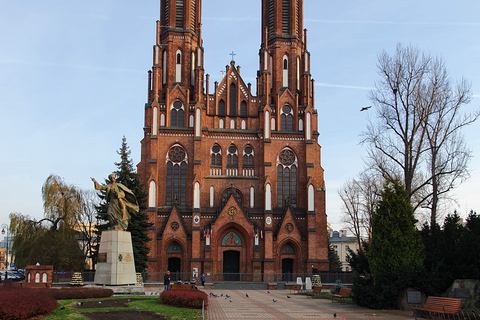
{"type": "Point", "coordinates": [295, 288]}
{"type": "Point", "coordinates": [183, 287]}
{"type": "Point", "coordinates": [342, 294]}
{"type": "Point", "coordinates": [317, 290]}
{"type": "Point", "coordinates": [440, 306]}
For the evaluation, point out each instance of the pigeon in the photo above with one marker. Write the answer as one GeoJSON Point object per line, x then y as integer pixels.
{"type": "Point", "coordinates": [268, 291]}
{"type": "Point", "coordinates": [221, 295]}
{"type": "Point", "coordinates": [334, 315]}
{"type": "Point", "coordinates": [137, 307]}
{"type": "Point", "coordinates": [99, 302]}
{"type": "Point", "coordinates": [274, 300]}
{"type": "Point", "coordinates": [230, 300]}
{"type": "Point", "coordinates": [128, 299]}
{"type": "Point", "coordinates": [227, 296]}
{"type": "Point", "coordinates": [288, 297]}
{"type": "Point", "coordinates": [365, 108]}
{"type": "Point", "coordinates": [115, 302]}
{"type": "Point", "coordinates": [62, 308]}
{"type": "Point", "coordinates": [79, 303]}
{"type": "Point", "coordinates": [246, 295]}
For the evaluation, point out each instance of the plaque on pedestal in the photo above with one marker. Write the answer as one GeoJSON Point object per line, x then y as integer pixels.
{"type": "Point", "coordinates": [115, 264]}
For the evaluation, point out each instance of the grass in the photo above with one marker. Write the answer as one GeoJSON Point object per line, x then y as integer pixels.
{"type": "Point", "coordinates": [145, 304]}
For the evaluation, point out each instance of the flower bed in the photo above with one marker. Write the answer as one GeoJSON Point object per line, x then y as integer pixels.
{"type": "Point", "coordinates": [184, 299]}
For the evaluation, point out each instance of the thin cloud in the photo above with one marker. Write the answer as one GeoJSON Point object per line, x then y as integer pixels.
{"type": "Point", "coordinates": [331, 85]}
{"type": "Point", "coordinates": [468, 24]}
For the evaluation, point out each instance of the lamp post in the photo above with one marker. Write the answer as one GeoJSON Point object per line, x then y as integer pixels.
{"type": "Point", "coordinates": [5, 227]}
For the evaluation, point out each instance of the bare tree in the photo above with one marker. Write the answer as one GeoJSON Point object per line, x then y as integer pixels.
{"type": "Point", "coordinates": [360, 197]}
{"type": "Point", "coordinates": [87, 224]}
{"type": "Point", "coordinates": [416, 135]}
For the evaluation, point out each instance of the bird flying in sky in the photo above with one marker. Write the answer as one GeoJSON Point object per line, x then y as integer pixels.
{"type": "Point", "coordinates": [365, 108]}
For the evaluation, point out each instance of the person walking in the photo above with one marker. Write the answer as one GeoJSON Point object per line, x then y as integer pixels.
{"type": "Point", "coordinates": [202, 278]}
{"type": "Point", "coordinates": [166, 280]}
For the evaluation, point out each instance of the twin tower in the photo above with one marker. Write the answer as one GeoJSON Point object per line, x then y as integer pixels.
{"type": "Point", "coordinates": [235, 184]}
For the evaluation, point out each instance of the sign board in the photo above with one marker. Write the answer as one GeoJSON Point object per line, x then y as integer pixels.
{"type": "Point", "coordinates": [102, 257]}
{"type": "Point", "coordinates": [414, 297]}
{"type": "Point", "coordinates": [462, 293]}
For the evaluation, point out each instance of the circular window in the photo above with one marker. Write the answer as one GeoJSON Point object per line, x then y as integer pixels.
{"type": "Point", "coordinates": [232, 149]}
{"type": "Point", "coordinates": [174, 226]}
{"type": "Point", "coordinates": [286, 109]}
{"type": "Point", "coordinates": [177, 105]}
{"type": "Point", "coordinates": [287, 157]}
{"type": "Point", "coordinates": [289, 227]}
{"type": "Point", "coordinates": [177, 154]}
{"type": "Point", "coordinates": [248, 150]}
{"type": "Point", "coordinates": [216, 148]}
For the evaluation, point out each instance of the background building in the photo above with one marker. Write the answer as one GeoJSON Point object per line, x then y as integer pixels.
{"type": "Point", "coordinates": [341, 243]}
{"type": "Point", "coordinates": [235, 180]}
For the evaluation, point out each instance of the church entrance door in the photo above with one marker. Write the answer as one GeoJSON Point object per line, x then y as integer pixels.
{"type": "Point", "coordinates": [231, 265]}
{"type": "Point", "coordinates": [174, 268]}
{"type": "Point", "coordinates": [287, 269]}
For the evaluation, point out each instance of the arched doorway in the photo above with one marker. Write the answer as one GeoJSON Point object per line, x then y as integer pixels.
{"type": "Point", "coordinates": [287, 270]}
{"type": "Point", "coordinates": [174, 266]}
{"type": "Point", "coordinates": [231, 265]}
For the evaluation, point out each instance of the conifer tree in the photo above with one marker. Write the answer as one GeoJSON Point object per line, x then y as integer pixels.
{"type": "Point", "coordinates": [396, 253]}
{"type": "Point", "coordinates": [334, 259]}
{"type": "Point", "coordinates": [126, 175]}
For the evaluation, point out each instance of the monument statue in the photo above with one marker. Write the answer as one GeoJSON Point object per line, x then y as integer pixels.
{"type": "Point", "coordinates": [121, 203]}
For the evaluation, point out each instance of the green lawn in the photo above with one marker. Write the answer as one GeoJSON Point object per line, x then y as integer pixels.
{"type": "Point", "coordinates": [145, 304]}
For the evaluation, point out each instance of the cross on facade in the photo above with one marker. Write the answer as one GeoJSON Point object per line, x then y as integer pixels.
{"type": "Point", "coordinates": [222, 71]}
{"type": "Point", "coordinates": [233, 55]}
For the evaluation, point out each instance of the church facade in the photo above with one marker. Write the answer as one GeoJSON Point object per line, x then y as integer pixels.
{"type": "Point", "coordinates": [235, 182]}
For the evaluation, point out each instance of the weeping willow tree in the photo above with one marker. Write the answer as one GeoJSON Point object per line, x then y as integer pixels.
{"type": "Point", "coordinates": [52, 239]}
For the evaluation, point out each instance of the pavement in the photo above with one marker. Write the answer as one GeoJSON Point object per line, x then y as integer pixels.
{"type": "Point", "coordinates": [260, 305]}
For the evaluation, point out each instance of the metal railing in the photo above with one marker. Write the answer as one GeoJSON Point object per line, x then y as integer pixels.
{"type": "Point", "coordinates": [187, 277]}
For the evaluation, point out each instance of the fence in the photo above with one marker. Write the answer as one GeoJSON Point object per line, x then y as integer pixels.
{"type": "Point", "coordinates": [157, 277]}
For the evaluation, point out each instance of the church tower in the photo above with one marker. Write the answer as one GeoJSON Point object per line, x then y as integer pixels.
{"type": "Point", "coordinates": [235, 181]}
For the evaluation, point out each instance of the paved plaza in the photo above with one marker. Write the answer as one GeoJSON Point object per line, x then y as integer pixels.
{"type": "Point", "coordinates": [260, 305]}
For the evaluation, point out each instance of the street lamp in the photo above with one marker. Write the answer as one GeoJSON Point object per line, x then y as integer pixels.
{"type": "Point", "coordinates": [5, 227]}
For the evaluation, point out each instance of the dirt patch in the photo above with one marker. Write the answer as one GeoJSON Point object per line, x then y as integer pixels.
{"type": "Point", "coordinates": [125, 315]}
{"type": "Point", "coordinates": [106, 303]}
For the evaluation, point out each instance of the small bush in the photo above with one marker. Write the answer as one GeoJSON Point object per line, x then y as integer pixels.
{"type": "Point", "coordinates": [184, 299]}
{"type": "Point", "coordinates": [22, 303]}
{"type": "Point", "coordinates": [79, 293]}
{"type": "Point", "coordinates": [338, 286]}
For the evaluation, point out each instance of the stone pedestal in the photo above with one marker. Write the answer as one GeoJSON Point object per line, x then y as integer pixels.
{"type": "Point", "coordinates": [115, 264]}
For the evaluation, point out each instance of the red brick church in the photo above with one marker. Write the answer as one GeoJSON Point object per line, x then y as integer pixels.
{"type": "Point", "coordinates": [234, 179]}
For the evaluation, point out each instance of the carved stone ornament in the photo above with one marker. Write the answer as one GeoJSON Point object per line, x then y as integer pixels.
{"type": "Point", "coordinates": [232, 211]}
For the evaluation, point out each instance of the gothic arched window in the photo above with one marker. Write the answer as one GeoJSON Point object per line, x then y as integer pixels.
{"type": "Point", "coordinates": [286, 17]}
{"type": "Point", "coordinates": [176, 114]}
{"type": "Point", "coordinates": [286, 119]}
{"type": "Point", "coordinates": [286, 178]}
{"type": "Point", "coordinates": [248, 156]}
{"type": "Point", "coordinates": [216, 155]}
{"type": "Point", "coordinates": [232, 156]}
{"type": "Point", "coordinates": [233, 100]}
{"type": "Point", "coordinates": [221, 108]}
{"type": "Point", "coordinates": [243, 108]}
{"type": "Point", "coordinates": [178, 66]}
{"type": "Point", "coordinates": [176, 176]}
{"type": "Point", "coordinates": [179, 14]}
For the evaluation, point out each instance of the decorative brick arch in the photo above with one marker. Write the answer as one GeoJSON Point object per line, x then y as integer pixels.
{"type": "Point", "coordinates": [297, 256]}
{"type": "Point", "coordinates": [246, 251]}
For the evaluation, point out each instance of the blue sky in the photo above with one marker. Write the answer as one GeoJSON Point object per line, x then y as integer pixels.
{"type": "Point", "coordinates": [73, 80]}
